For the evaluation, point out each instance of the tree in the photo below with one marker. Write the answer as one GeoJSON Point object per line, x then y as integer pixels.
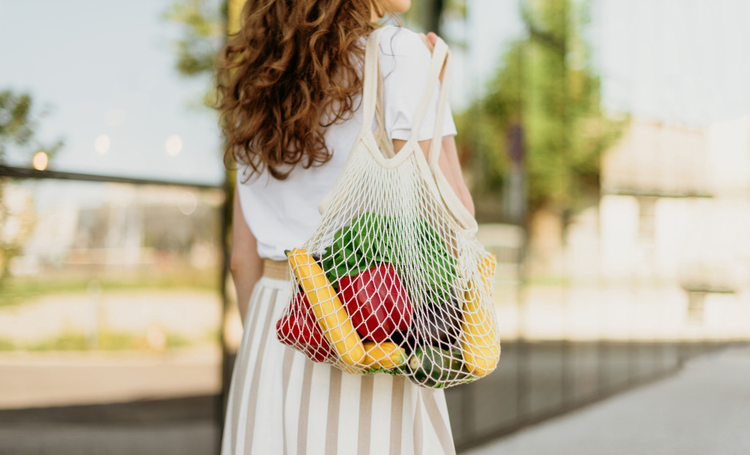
{"type": "Point", "coordinates": [203, 26]}
{"type": "Point", "coordinates": [18, 132]}
{"type": "Point", "coordinates": [425, 14]}
{"type": "Point", "coordinates": [434, 11]}
{"type": "Point", "coordinates": [548, 88]}
{"type": "Point", "coordinates": [18, 127]}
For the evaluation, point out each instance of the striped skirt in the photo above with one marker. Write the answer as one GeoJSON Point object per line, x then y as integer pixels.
{"type": "Point", "coordinates": [282, 403]}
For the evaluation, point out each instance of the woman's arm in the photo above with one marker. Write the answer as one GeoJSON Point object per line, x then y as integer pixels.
{"type": "Point", "coordinates": [245, 264]}
{"type": "Point", "coordinates": [449, 160]}
{"type": "Point", "coordinates": [450, 166]}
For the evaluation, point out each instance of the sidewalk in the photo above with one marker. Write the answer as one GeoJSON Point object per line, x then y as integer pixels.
{"type": "Point", "coordinates": [46, 379]}
{"type": "Point", "coordinates": [703, 410]}
{"type": "Point", "coordinates": [181, 438]}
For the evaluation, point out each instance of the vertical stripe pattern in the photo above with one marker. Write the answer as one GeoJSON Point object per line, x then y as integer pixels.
{"type": "Point", "coordinates": [254, 385]}
{"type": "Point", "coordinates": [280, 402]}
{"type": "Point", "coordinates": [365, 415]}
{"type": "Point", "coordinates": [438, 423]}
{"type": "Point", "coordinates": [397, 410]}
{"type": "Point", "coordinates": [334, 402]}
{"type": "Point", "coordinates": [418, 434]}
{"type": "Point", "coordinates": [241, 364]}
{"type": "Point", "coordinates": [285, 372]}
{"type": "Point", "coordinates": [304, 409]}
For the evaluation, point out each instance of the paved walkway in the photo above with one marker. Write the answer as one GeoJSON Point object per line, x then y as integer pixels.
{"type": "Point", "coordinates": [183, 438]}
{"type": "Point", "coordinates": [703, 410]}
{"type": "Point", "coordinates": [45, 379]}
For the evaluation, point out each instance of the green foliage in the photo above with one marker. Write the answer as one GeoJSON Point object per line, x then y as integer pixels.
{"type": "Point", "coordinates": [18, 133]}
{"type": "Point", "coordinates": [175, 340]}
{"type": "Point", "coordinates": [18, 125]}
{"type": "Point", "coordinates": [425, 15]}
{"type": "Point", "coordinates": [482, 148]}
{"type": "Point", "coordinates": [107, 341]}
{"type": "Point", "coordinates": [7, 345]}
{"type": "Point", "coordinates": [547, 85]}
{"type": "Point", "coordinates": [15, 124]}
{"type": "Point", "coordinates": [18, 291]}
{"type": "Point", "coordinates": [202, 34]}
{"type": "Point", "coordinates": [63, 342]}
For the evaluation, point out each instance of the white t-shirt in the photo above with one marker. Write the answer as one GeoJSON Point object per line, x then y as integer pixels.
{"type": "Point", "coordinates": [282, 214]}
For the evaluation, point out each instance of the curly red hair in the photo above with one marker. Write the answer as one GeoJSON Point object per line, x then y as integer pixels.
{"type": "Point", "coordinates": [291, 71]}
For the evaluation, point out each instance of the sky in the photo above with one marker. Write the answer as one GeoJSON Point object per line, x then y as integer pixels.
{"type": "Point", "coordinates": [677, 61]}
{"type": "Point", "coordinates": [107, 68]}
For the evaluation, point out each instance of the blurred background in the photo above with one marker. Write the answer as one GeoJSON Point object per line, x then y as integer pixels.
{"type": "Point", "coordinates": [607, 147]}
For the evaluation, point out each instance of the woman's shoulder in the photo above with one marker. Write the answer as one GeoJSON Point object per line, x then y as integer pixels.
{"type": "Point", "coordinates": [402, 42]}
{"type": "Point", "coordinates": [402, 50]}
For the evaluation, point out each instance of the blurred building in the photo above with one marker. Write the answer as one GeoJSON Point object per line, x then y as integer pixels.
{"type": "Point", "coordinates": [665, 246]}
{"type": "Point", "coordinates": [676, 204]}
{"type": "Point", "coordinates": [127, 228]}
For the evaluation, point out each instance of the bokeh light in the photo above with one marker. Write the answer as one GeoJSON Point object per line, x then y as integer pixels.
{"type": "Point", "coordinates": [102, 143]}
{"type": "Point", "coordinates": [40, 161]}
{"type": "Point", "coordinates": [173, 145]}
{"type": "Point", "coordinates": [187, 203]}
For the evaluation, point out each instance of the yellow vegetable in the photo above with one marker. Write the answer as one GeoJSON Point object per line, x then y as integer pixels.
{"type": "Point", "coordinates": [386, 354]}
{"type": "Point", "coordinates": [330, 313]}
{"type": "Point", "coordinates": [479, 339]}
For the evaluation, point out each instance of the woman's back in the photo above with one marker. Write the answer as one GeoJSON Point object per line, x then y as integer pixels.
{"type": "Point", "coordinates": [280, 401]}
{"type": "Point", "coordinates": [282, 213]}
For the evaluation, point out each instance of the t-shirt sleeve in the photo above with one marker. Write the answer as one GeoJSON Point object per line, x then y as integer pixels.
{"type": "Point", "coordinates": [405, 64]}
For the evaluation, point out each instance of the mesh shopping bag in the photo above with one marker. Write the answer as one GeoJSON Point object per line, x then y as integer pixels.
{"type": "Point", "coordinates": [393, 279]}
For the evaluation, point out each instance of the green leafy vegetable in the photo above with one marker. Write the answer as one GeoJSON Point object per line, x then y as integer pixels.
{"type": "Point", "coordinates": [369, 241]}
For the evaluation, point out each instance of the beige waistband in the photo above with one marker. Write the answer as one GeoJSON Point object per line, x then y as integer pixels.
{"type": "Point", "coordinates": [278, 270]}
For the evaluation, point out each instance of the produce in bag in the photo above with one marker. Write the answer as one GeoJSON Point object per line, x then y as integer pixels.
{"type": "Point", "coordinates": [434, 367]}
{"type": "Point", "coordinates": [376, 302]}
{"type": "Point", "coordinates": [328, 310]}
{"type": "Point", "coordinates": [436, 324]}
{"type": "Point", "coordinates": [299, 328]}
{"type": "Point", "coordinates": [393, 271]}
{"type": "Point", "coordinates": [370, 239]}
{"type": "Point", "coordinates": [480, 343]}
{"type": "Point", "coordinates": [383, 356]}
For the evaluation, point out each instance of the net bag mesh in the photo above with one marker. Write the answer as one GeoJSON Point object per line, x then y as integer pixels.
{"type": "Point", "coordinates": [393, 279]}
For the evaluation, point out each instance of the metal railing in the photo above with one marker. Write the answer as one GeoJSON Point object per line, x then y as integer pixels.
{"type": "Point", "coordinates": [29, 173]}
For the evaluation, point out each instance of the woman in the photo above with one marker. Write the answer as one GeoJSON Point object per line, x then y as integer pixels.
{"type": "Point", "coordinates": [289, 85]}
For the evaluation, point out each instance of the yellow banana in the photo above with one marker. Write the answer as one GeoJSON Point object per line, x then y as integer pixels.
{"type": "Point", "coordinates": [386, 354]}
{"type": "Point", "coordinates": [479, 339]}
{"type": "Point", "coordinates": [328, 309]}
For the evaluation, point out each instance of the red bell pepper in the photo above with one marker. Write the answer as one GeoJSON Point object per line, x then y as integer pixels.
{"type": "Point", "coordinates": [376, 302]}
{"type": "Point", "coordinates": [299, 328]}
